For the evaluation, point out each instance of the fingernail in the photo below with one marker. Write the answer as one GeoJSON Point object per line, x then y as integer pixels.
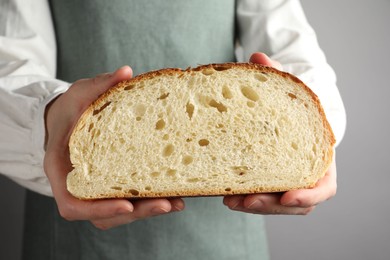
{"type": "Point", "coordinates": [235, 204]}
{"type": "Point", "coordinates": [177, 208]}
{"type": "Point", "coordinates": [232, 202]}
{"type": "Point", "coordinates": [125, 67]}
{"type": "Point", "coordinates": [256, 204]}
{"type": "Point", "coordinates": [159, 210]}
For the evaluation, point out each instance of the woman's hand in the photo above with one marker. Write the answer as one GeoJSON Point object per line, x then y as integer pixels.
{"type": "Point", "coordinates": [295, 202]}
{"type": "Point", "coordinates": [61, 116]}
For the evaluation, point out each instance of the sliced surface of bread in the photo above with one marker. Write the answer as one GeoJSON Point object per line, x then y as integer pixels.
{"type": "Point", "coordinates": [218, 129]}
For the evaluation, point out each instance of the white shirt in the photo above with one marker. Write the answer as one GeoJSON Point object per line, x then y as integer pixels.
{"type": "Point", "coordinates": [28, 69]}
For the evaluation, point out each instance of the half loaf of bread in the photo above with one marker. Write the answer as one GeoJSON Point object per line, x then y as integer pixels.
{"type": "Point", "coordinates": [218, 129]}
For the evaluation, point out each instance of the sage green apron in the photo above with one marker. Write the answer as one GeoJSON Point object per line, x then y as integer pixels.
{"type": "Point", "coordinates": [99, 36]}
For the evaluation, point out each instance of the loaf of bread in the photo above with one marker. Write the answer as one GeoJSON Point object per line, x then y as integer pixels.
{"type": "Point", "coordinates": [218, 129]}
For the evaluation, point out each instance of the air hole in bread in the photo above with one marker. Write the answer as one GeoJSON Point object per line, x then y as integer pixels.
{"type": "Point", "coordinates": [95, 133]}
{"type": "Point", "coordinates": [192, 180]}
{"type": "Point", "coordinates": [261, 77]}
{"type": "Point", "coordinates": [160, 124]}
{"type": "Point", "coordinates": [292, 96]}
{"type": "Point", "coordinates": [134, 192]}
{"type": "Point", "coordinates": [247, 149]}
{"type": "Point", "coordinates": [129, 87]}
{"type": "Point", "coordinates": [294, 145]}
{"type": "Point", "coordinates": [165, 137]}
{"type": "Point", "coordinates": [163, 96]}
{"type": "Point", "coordinates": [277, 133]}
{"type": "Point", "coordinates": [90, 127]}
{"type": "Point", "coordinates": [168, 150]}
{"type": "Point", "coordinates": [228, 189]}
{"type": "Point", "coordinates": [204, 142]}
{"type": "Point", "coordinates": [219, 126]}
{"type": "Point", "coordinates": [251, 104]}
{"type": "Point", "coordinates": [314, 149]}
{"type": "Point", "coordinates": [148, 188]}
{"type": "Point", "coordinates": [250, 94]}
{"type": "Point", "coordinates": [155, 175]}
{"type": "Point", "coordinates": [138, 118]}
{"type": "Point", "coordinates": [208, 72]}
{"type": "Point", "coordinates": [222, 67]}
{"type": "Point", "coordinates": [226, 93]}
{"type": "Point", "coordinates": [220, 107]}
{"type": "Point", "coordinates": [171, 172]}
{"type": "Point", "coordinates": [97, 111]}
{"type": "Point", "coordinates": [240, 170]}
{"type": "Point", "coordinates": [188, 159]}
{"type": "Point", "coordinates": [116, 188]}
{"type": "Point", "coordinates": [190, 110]}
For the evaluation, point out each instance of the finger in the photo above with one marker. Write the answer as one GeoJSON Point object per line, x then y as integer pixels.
{"type": "Point", "coordinates": [85, 91]}
{"type": "Point", "coordinates": [263, 59]}
{"type": "Point", "coordinates": [267, 204]}
{"type": "Point", "coordinates": [143, 209]}
{"type": "Point", "coordinates": [270, 204]}
{"type": "Point", "coordinates": [325, 189]}
{"type": "Point", "coordinates": [106, 80]}
{"type": "Point", "coordinates": [150, 207]}
{"type": "Point", "coordinates": [177, 204]}
{"type": "Point", "coordinates": [233, 201]}
{"type": "Point", "coordinates": [74, 209]}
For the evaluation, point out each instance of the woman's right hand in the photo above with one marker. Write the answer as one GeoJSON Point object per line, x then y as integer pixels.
{"type": "Point", "coordinates": [61, 116]}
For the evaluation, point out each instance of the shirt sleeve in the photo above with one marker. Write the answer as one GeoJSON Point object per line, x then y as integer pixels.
{"type": "Point", "coordinates": [280, 29]}
{"type": "Point", "coordinates": [27, 85]}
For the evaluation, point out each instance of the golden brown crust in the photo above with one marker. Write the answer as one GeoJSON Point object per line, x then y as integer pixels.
{"type": "Point", "coordinates": [175, 194]}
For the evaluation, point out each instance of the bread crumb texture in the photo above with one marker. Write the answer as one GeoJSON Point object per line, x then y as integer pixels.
{"type": "Point", "coordinates": [218, 129]}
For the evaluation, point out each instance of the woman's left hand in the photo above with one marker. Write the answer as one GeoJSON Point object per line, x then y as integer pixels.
{"type": "Point", "coordinates": [295, 202]}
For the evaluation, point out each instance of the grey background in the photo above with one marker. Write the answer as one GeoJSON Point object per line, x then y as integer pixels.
{"type": "Point", "coordinates": [354, 224]}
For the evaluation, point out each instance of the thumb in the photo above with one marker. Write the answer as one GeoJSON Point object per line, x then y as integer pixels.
{"type": "Point", "coordinates": [85, 91]}
{"type": "Point", "coordinates": [103, 82]}
{"type": "Point", "coordinates": [263, 59]}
